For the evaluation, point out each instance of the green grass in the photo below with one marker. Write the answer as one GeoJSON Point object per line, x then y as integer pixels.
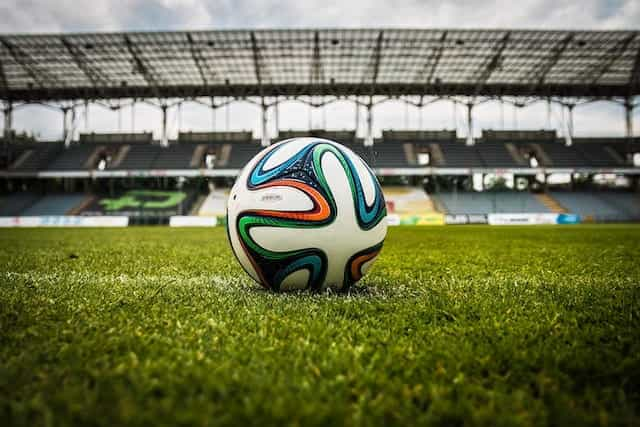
{"type": "Point", "coordinates": [454, 325]}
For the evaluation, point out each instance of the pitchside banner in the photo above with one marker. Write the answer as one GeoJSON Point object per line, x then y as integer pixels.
{"type": "Point", "coordinates": [568, 219]}
{"type": "Point", "coordinates": [64, 221]}
{"type": "Point", "coordinates": [424, 219]}
{"type": "Point", "coordinates": [450, 219]}
{"type": "Point", "coordinates": [193, 221]}
{"type": "Point", "coordinates": [532, 219]}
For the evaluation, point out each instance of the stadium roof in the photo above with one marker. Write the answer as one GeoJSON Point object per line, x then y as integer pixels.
{"type": "Point", "coordinates": [339, 62]}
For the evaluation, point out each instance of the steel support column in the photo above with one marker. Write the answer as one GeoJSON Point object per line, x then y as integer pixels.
{"type": "Point", "coordinates": [454, 115]}
{"type": "Point", "coordinates": [133, 116]}
{"type": "Point", "coordinates": [470, 140]}
{"type": "Point", "coordinates": [357, 116]}
{"type": "Point", "coordinates": [86, 115]}
{"type": "Point", "coordinates": [65, 123]}
{"type": "Point", "coordinates": [368, 140]}
{"type": "Point", "coordinates": [68, 134]}
{"type": "Point", "coordinates": [276, 117]}
{"type": "Point", "coordinates": [628, 116]}
{"type": "Point", "coordinates": [164, 141]}
{"type": "Point", "coordinates": [8, 120]}
{"type": "Point", "coordinates": [265, 132]}
{"type": "Point", "coordinates": [568, 138]}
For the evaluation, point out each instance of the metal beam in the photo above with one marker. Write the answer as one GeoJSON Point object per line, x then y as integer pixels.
{"type": "Point", "coordinates": [265, 142]}
{"type": "Point", "coordinates": [375, 58]}
{"type": "Point", "coordinates": [3, 78]}
{"type": "Point", "coordinates": [8, 120]}
{"type": "Point", "coordinates": [141, 67]}
{"type": "Point", "coordinates": [368, 139]}
{"type": "Point", "coordinates": [432, 63]}
{"type": "Point", "coordinates": [592, 75]}
{"type": "Point", "coordinates": [96, 76]}
{"type": "Point", "coordinates": [470, 140]}
{"type": "Point", "coordinates": [336, 89]}
{"type": "Point", "coordinates": [41, 77]}
{"type": "Point", "coordinates": [541, 69]}
{"type": "Point", "coordinates": [634, 78]}
{"type": "Point", "coordinates": [164, 138]}
{"type": "Point", "coordinates": [568, 137]}
{"type": "Point", "coordinates": [317, 75]}
{"type": "Point", "coordinates": [543, 50]}
{"type": "Point", "coordinates": [256, 58]}
{"type": "Point", "coordinates": [628, 117]}
{"type": "Point", "coordinates": [199, 60]}
{"type": "Point", "coordinates": [487, 69]}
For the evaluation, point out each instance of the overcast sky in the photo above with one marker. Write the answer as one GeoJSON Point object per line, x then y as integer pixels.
{"type": "Point", "coordinates": [125, 15]}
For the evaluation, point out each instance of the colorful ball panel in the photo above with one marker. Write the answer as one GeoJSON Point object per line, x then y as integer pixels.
{"type": "Point", "coordinates": [306, 213]}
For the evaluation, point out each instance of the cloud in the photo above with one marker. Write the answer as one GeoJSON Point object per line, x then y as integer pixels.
{"type": "Point", "coordinates": [37, 16]}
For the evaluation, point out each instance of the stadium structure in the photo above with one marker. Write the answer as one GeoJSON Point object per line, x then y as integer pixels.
{"type": "Point", "coordinates": [429, 175]}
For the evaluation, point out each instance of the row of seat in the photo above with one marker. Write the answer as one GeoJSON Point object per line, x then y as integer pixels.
{"type": "Point", "coordinates": [603, 206]}
{"type": "Point", "coordinates": [31, 204]}
{"type": "Point", "coordinates": [133, 203]}
{"type": "Point", "coordinates": [597, 205]}
{"type": "Point", "coordinates": [387, 154]}
{"type": "Point", "coordinates": [489, 202]}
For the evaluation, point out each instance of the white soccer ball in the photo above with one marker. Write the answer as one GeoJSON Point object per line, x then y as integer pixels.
{"type": "Point", "coordinates": [306, 213]}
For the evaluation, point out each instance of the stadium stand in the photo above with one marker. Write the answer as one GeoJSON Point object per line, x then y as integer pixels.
{"type": "Point", "coordinates": [118, 138]}
{"type": "Point", "coordinates": [241, 153]}
{"type": "Point", "coordinates": [175, 156]}
{"type": "Point", "coordinates": [149, 204]}
{"type": "Point", "coordinates": [35, 157]}
{"type": "Point", "coordinates": [625, 202]}
{"type": "Point", "coordinates": [599, 206]}
{"type": "Point", "coordinates": [597, 154]}
{"type": "Point", "coordinates": [389, 155]}
{"type": "Point", "coordinates": [342, 136]}
{"type": "Point", "coordinates": [489, 202]}
{"type": "Point", "coordinates": [407, 201]}
{"type": "Point", "coordinates": [72, 158]}
{"type": "Point", "coordinates": [209, 137]}
{"type": "Point", "coordinates": [496, 154]}
{"type": "Point", "coordinates": [560, 156]}
{"type": "Point", "coordinates": [140, 157]}
{"type": "Point", "coordinates": [396, 149]}
{"type": "Point", "coordinates": [14, 204]}
{"type": "Point", "coordinates": [458, 155]}
{"type": "Point", "coordinates": [54, 204]}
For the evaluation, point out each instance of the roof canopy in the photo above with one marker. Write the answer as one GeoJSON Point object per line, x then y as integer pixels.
{"type": "Point", "coordinates": [337, 62]}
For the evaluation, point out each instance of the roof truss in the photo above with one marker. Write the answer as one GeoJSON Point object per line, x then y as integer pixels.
{"type": "Point", "coordinates": [93, 73]}
{"type": "Point", "coordinates": [487, 69]}
{"type": "Point", "coordinates": [634, 78]}
{"type": "Point", "coordinates": [3, 78]}
{"type": "Point", "coordinates": [593, 74]}
{"type": "Point", "coordinates": [320, 62]}
{"type": "Point", "coordinates": [198, 59]}
{"type": "Point", "coordinates": [431, 65]}
{"type": "Point", "coordinates": [541, 69]}
{"type": "Point", "coordinates": [30, 65]}
{"type": "Point", "coordinates": [140, 66]}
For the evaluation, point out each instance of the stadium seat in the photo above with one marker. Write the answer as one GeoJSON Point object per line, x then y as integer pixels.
{"type": "Point", "coordinates": [489, 202]}
{"type": "Point", "coordinates": [600, 206]}
{"type": "Point", "coordinates": [54, 204]}
{"type": "Point", "coordinates": [15, 204]}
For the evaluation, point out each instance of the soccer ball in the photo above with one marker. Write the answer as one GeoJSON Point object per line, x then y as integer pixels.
{"type": "Point", "coordinates": [306, 213]}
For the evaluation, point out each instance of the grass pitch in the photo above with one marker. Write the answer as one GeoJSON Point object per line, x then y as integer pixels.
{"type": "Point", "coordinates": [454, 325]}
